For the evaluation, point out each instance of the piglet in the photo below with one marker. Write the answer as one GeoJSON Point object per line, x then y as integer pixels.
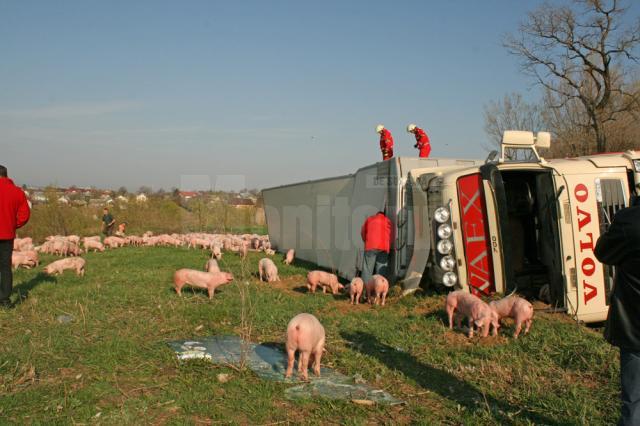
{"type": "Point", "coordinates": [267, 270]}
{"type": "Point", "coordinates": [517, 308]}
{"type": "Point", "coordinates": [306, 335]}
{"type": "Point", "coordinates": [377, 289]}
{"type": "Point", "coordinates": [479, 314]}
{"type": "Point", "coordinates": [355, 290]}
{"type": "Point", "coordinates": [323, 279]}
{"type": "Point", "coordinates": [211, 266]}
{"type": "Point", "coordinates": [21, 259]}
{"type": "Point", "coordinates": [288, 259]}
{"type": "Point", "coordinates": [216, 252]}
{"type": "Point", "coordinates": [57, 267]}
{"type": "Point", "coordinates": [206, 280]}
{"type": "Point", "coordinates": [93, 245]}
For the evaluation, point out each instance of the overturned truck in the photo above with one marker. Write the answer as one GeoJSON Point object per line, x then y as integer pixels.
{"type": "Point", "coordinates": [484, 226]}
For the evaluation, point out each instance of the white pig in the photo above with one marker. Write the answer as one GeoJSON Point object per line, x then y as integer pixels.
{"type": "Point", "coordinates": [306, 335]}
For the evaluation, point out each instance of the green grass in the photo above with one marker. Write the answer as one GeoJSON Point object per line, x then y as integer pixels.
{"type": "Point", "coordinates": [110, 364]}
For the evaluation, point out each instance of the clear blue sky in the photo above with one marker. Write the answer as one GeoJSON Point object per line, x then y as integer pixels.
{"type": "Point", "coordinates": [254, 94]}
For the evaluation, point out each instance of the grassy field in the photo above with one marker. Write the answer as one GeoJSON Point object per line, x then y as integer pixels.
{"type": "Point", "coordinates": [110, 363]}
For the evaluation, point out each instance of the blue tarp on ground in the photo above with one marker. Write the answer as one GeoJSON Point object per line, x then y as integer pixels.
{"type": "Point", "coordinates": [269, 363]}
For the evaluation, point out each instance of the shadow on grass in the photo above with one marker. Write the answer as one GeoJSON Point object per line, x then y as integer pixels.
{"type": "Point", "coordinates": [439, 381]}
{"type": "Point", "coordinates": [24, 289]}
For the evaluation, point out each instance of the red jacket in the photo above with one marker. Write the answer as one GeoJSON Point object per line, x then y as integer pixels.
{"type": "Point", "coordinates": [386, 144]}
{"type": "Point", "coordinates": [376, 233]}
{"type": "Point", "coordinates": [422, 142]}
{"type": "Point", "coordinates": [14, 209]}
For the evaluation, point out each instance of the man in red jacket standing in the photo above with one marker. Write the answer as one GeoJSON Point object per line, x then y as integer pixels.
{"type": "Point", "coordinates": [14, 213]}
{"type": "Point", "coordinates": [422, 140]}
{"type": "Point", "coordinates": [376, 234]}
{"type": "Point", "coordinates": [386, 142]}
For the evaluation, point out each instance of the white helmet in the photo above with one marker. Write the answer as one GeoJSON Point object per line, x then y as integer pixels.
{"type": "Point", "coordinates": [411, 128]}
{"type": "Point", "coordinates": [379, 128]}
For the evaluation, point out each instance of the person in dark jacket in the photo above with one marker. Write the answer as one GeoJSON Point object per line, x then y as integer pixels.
{"type": "Point", "coordinates": [619, 246]}
{"type": "Point", "coordinates": [376, 234]}
{"type": "Point", "coordinates": [14, 213]}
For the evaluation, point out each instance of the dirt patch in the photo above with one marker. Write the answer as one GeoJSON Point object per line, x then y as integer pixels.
{"type": "Point", "coordinates": [290, 285]}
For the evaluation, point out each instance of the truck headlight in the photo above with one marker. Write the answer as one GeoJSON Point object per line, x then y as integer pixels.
{"type": "Point", "coordinates": [447, 263]}
{"type": "Point", "coordinates": [444, 247]}
{"type": "Point", "coordinates": [636, 165]}
{"type": "Point", "coordinates": [444, 231]}
{"type": "Point", "coordinates": [449, 279]}
{"type": "Point", "coordinates": [441, 215]}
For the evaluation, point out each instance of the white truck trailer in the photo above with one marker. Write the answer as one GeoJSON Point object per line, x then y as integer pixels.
{"type": "Point", "coordinates": [321, 219]}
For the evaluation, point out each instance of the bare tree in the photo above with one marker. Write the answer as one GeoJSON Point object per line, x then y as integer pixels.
{"type": "Point", "coordinates": [581, 53]}
{"type": "Point", "coordinates": [511, 113]}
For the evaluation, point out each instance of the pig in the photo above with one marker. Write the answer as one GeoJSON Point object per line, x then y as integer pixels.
{"type": "Point", "coordinates": [355, 290]}
{"type": "Point", "coordinates": [19, 258]}
{"type": "Point", "coordinates": [73, 249]}
{"type": "Point", "coordinates": [269, 252]}
{"type": "Point", "coordinates": [59, 247]}
{"type": "Point", "coordinates": [267, 270]}
{"type": "Point", "coordinates": [478, 312]}
{"type": "Point", "coordinates": [32, 255]}
{"type": "Point", "coordinates": [244, 249]}
{"type": "Point", "coordinates": [324, 279]}
{"type": "Point", "coordinates": [58, 266]}
{"type": "Point", "coordinates": [74, 239]}
{"type": "Point", "coordinates": [216, 252]}
{"type": "Point", "coordinates": [288, 259]}
{"type": "Point", "coordinates": [93, 245]}
{"type": "Point", "coordinates": [377, 289]}
{"type": "Point", "coordinates": [517, 308]}
{"type": "Point", "coordinates": [211, 266]}
{"type": "Point", "coordinates": [206, 280]}
{"type": "Point", "coordinates": [306, 335]}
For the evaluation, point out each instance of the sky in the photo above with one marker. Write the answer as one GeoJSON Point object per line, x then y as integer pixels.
{"type": "Point", "coordinates": [226, 95]}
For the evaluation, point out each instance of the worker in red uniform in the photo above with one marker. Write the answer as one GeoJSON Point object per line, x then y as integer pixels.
{"type": "Point", "coordinates": [14, 213]}
{"type": "Point", "coordinates": [376, 234]}
{"type": "Point", "coordinates": [422, 140]}
{"type": "Point", "coordinates": [386, 142]}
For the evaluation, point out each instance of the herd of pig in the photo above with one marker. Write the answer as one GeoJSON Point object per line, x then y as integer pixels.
{"type": "Point", "coordinates": [305, 333]}
{"type": "Point", "coordinates": [26, 254]}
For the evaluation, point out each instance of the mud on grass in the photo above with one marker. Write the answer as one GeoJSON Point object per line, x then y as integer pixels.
{"type": "Point", "coordinates": [110, 364]}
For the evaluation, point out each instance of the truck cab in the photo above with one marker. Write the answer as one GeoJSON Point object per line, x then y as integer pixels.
{"type": "Point", "coordinates": [529, 226]}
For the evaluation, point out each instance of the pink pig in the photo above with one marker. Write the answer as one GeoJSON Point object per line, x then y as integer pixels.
{"type": "Point", "coordinates": [478, 312]}
{"type": "Point", "coordinates": [216, 252]}
{"type": "Point", "coordinates": [59, 266]}
{"type": "Point", "coordinates": [212, 266]}
{"type": "Point", "coordinates": [206, 280]}
{"type": "Point", "coordinates": [377, 289]}
{"type": "Point", "coordinates": [267, 270]}
{"type": "Point", "coordinates": [19, 258]}
{"type": "Point", "coordinates": [355, 290]}
{"type": "Point", "coordinates": [517, 308]}
{"type": "Point", "coordinates": [306, 335]}
{"type": "Point", "coordinates": [93, 245]}
{"type": "Point", "coordinates": [288, 259]}
{"type": "Point", "coordinates": [324, 279]}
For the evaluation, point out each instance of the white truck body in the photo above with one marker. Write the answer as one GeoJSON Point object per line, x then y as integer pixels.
{"type": "Point", "coordinates": [321, 219]}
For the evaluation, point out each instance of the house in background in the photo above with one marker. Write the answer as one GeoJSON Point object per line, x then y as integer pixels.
{"type": "Point", "coordinates": [241, 203]}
